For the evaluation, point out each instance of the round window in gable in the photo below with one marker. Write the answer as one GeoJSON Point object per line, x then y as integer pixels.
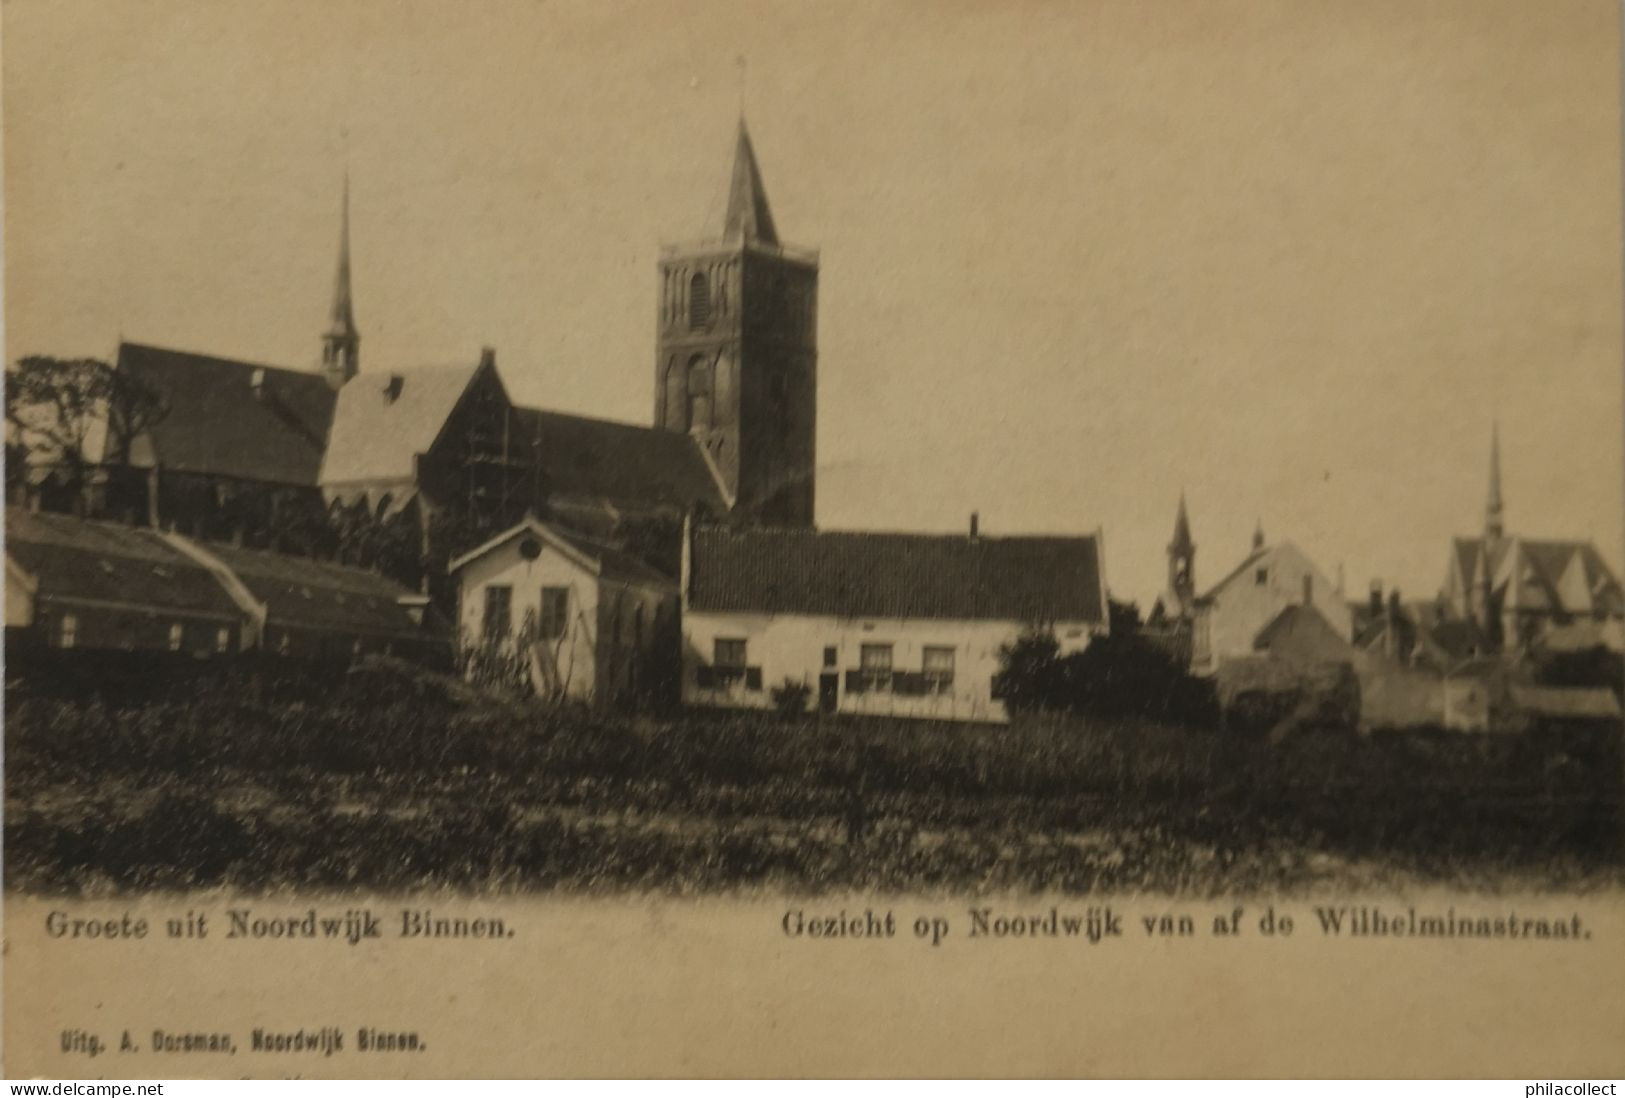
{"type": "Point", "coordinates": [530, 548]}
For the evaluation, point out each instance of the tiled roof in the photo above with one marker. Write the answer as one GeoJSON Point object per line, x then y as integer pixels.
{"type": "Point", "coordinates": [897, 575]}
{"type": "Point", "coordinates": [219, 424]}
{"type": "Point", "coordinates": [77, 560]}
{"type": "Point", "coordinates": [383, 421]}
{"type": "Point", "coordinates": [318, 595]}
{"type": "Point", "coordinates": [622, 462]}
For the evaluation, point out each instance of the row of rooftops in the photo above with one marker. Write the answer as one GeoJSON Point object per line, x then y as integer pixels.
{"type": "Point", "coordinates": [848, 574]}
{"type": "Point", "coordinates": [752, 570]}
{"type": "Point", "coordinates": [73, 561]}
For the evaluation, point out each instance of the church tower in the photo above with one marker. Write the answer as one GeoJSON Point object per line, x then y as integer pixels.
{"type": "Point", "coordinates": [737, 363]}
{"type": "Point", "coordinates": [341, 343]}
{"type": "Point", "coordinates": [1182, 564]}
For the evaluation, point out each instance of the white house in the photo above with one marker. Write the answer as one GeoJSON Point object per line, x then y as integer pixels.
{"type": "Point", "coordinates": [876, 623]}
{"type": "Point", "coordinates": [1246, 613]}
{"type": "Point", "coordinates": [589, 618]}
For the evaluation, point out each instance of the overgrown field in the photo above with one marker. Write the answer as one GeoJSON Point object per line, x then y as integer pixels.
{"type": "Point", "coordinates": [258, 778]}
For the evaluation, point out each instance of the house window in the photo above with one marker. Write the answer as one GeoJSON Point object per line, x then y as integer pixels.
{"type": "Point", "coordinates": [555, 612]}
{"type": "Point", "coordinates": [729, 653]}
{"type": "Point", "coordinates": [222, 639]}
{"type": "Point", "coordinates": [177, 636]}
{"type": "Point", "coordinates": [67, 631]}
{"type": "Point", "coordinates": [1261, 577]}
{"type": "Point", "coordinates": [498, 621]}
{"type": "Point", "coordinates": [875, 662]}
{"type": "Point", "coordinates": [829, 657]}
{"type": "Point", "coordinates": [938, 667]}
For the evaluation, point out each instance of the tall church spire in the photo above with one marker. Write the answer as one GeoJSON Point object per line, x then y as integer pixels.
{"type": "Point", "coordinates": [341, 343]}
{"type": "Point", "coordinates": [1182, 564]}
{"type": "Point", "coordinates": [1494, 520]}
{"type": "Point", "coordinates": [1182, 530]}
{"type": "Point", "coordinates": [748, 215]}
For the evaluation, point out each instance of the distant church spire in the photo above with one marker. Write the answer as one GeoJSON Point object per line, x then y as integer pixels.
{"type": "Point", "coordinates": [1182, 542]}
{"type": "Point", "coordinates": [1494, 520]}
{"type": "Point", "coordinates": [341, 343]}
{"type": "Point", "coordinates": [748, 215]}
{"type": "Point", "coordinates": [1182, 563]}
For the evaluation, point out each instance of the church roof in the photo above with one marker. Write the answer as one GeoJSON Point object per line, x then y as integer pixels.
{"type": "Point", "coordinates": [383, 421]}
{"type": "Point", "coordinates": [748, 215]}
{"type": "Point", "coordinates": [233, 418]}
{"type": "Point", "coordinates": [1554, 576]}
{"type": "Point", "coordinates": [622, 463]}
{"type": "Point", "coordinates": [886, 575]}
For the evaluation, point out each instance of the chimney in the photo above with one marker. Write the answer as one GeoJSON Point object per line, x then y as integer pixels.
{"type": "Point", "coordinates": [488, 356]}
{"type": "Point", "coordinates": [1376, 598]}
{"type": "Point", "coordinates": [393, 387]}
{"type": "Point", "coordinates": [975, 524]}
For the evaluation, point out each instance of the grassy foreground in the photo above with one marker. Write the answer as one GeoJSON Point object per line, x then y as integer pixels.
{"type": "Point", "coordinates": [262, 779]}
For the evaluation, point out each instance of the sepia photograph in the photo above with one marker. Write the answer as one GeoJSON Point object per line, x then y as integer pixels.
{"type": "Point", "coordinates": [900, 501]}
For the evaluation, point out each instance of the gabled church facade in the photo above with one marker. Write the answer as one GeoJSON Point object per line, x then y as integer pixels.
{"type": "Point", "coordinates": [1525, 593]}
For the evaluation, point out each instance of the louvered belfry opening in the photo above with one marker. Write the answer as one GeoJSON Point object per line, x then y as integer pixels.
{"type": "Point", "coordinates": [699, 301]}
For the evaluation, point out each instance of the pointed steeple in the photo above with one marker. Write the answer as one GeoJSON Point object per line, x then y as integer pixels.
{"type": "Point", "coordinates": [1181, 599]}
{"type": "Point", "coordinates": [341, 343]}
{"type": "Point", "coordinates": [1494, 523]}
{"type": "Point", "coordinates": [1182, 542]}
{"type": "Point", "coordinates": [748, 215]}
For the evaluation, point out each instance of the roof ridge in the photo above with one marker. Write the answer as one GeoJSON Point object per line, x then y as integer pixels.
{"type": "Point", "coordinates": [942, 535]}
{"type": "Point", "coordinates": [533, 410]}
{"type": "Point", "coordinates": [246, 363]}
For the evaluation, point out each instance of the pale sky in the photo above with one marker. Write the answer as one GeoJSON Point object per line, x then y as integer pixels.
{"type": "Point", "coordinates": [1290, 256]}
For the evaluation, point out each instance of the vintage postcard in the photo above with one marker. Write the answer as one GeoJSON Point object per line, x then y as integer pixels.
{"type": "Point", "coordinates": [749, 538]}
